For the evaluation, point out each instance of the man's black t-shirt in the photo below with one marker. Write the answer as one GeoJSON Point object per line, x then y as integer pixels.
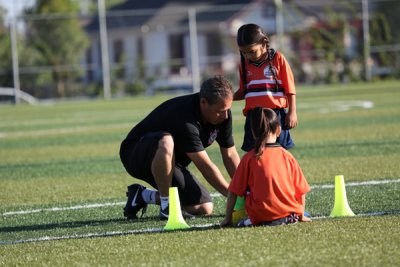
{"type": "Point", "coordinates": [181, 118]}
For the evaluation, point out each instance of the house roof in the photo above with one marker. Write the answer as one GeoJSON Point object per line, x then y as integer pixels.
{"type": "Point", "coordinates": [172, 14]}
{"type": "Point", "coordinates": [165, 13]}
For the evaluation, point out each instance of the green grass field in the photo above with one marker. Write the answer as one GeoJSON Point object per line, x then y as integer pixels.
{"type": "Point", "coordinates": [63, 187]}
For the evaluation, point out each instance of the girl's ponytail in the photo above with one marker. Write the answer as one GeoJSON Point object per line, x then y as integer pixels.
{"type": "Point", "coordinates": [264, 122]}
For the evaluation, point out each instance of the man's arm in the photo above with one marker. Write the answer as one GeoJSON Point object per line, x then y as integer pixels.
{"type": "Point", "coordinates": [210, 171]}
{"type": "Point", "coordinates": [231, 159]}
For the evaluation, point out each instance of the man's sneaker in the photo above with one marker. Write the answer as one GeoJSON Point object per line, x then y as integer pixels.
{"type": "Point", "coordinates": [135, 201]}
{"type": "Point", "coordinates": [164, 213]}
{"type": "Point", "coordinates": [187, 215]}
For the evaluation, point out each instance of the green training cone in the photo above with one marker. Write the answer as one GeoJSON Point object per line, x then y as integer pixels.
{"type": "Point", "coordinates": [239, 211]}
{"type": "Point", "coordinates": [238, 215]}
{"type": "Point", "coordinates": [341, 207]}
{"type": "Point", "coordinates": [239, 204]}
{"type": "Point", "coordinates": [175, 218]}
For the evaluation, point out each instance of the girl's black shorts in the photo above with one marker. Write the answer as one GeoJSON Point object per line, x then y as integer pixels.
{"type": "Point", "coordinates": [284, 138]}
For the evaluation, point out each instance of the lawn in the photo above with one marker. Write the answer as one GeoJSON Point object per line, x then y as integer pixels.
{"type": "Point", "coordinates": [63, 187]}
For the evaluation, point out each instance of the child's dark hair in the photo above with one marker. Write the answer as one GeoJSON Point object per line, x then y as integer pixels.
{"type": "Point", "coordinates": [264, 122]}
{"type": "Point", "coordinates": [249, 34]}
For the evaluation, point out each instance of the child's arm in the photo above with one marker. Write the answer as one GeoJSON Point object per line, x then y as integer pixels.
{"type": "Point", "coordinates": [238, 95]}
{"type": "Point", "coordinates": [303, 203]}
{"type": "Point", "coordinates": [291, 117]}
{"type": "Point", "coordinates": [230, 204]}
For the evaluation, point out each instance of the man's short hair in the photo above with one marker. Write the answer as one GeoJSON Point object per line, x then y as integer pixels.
{"type": "Point", "coordinates": [216, 89]}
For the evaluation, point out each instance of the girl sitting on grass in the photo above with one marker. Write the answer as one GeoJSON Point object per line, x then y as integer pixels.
{"type": "Point", "coordinates": [270, 178]}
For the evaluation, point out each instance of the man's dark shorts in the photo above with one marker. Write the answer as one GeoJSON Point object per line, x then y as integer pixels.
{"type": "Point", "coordinates": [137, 159]}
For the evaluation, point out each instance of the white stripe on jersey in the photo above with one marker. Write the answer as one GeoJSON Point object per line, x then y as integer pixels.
{"type": "Point", "coordinates": [264, 93]}
{"type": "Point", "coordinates": [263, 82]}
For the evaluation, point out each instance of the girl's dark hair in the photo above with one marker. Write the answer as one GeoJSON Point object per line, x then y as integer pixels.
{"type": "Point", "coordinates": [249, 34]}
{"type": "Point", "coordinates": [264, 122]}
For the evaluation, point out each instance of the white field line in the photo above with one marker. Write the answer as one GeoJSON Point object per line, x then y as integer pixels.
{"type": "Point", "coordinates": [337, 106]}
{"type": "Point", "coordinates": [374, 182]}
{"type": "Point", "coordinates": [102, 234]}
{"type": "Point", "coordinates": [376, 213]}
{"type": "Point", "coordinates": [152, 230]}
{"type": "Point", "coordinates": [62, 131]}
{"type": "Point", "coordinates": [99, 205]}
{"type": "Point", "coordinates": [88, 206]}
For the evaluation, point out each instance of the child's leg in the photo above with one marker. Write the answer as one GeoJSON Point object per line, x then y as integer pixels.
{"type": "Point", "coordinates": [246, 222]}
{"type": "Point", "coordinates": [284, 138]}
{"type": "Point", "coordinates": [248, 140]}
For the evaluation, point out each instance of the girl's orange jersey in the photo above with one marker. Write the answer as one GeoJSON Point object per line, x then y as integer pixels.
{"type": "Point", "coordinates": [261, 90]}
{"type": "Point", "coordinates": [273, 184]}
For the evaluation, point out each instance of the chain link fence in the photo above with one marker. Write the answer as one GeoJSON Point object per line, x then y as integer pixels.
{"type": "Point", "coordinates": [127, 50]}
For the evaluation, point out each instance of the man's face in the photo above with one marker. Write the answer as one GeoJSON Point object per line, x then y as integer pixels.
{"type": "Point", "coordinates": [216, 113]}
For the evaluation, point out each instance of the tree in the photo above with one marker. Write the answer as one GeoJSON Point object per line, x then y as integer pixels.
{"type": "Point", "coordinates": [390, 10]}
{"type": "Point", "coordinates": [59, 39]}
{"type": "Point", "coordinates": [385, 32]}
{"type": "Point", "coordinates": [325, 39]}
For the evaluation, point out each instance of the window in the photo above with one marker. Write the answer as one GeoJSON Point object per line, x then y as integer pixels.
{"type": "Point", "coordinates": [176, 53]}
{"type": "Point", "coordinates": [214, 47]}
{"type": "Point", "coordinates": [118, 48]}
{"type": "Point", "coordinates": [118, 51]}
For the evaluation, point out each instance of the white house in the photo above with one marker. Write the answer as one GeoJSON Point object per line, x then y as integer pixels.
{"type": "Point", "coordinates": [151, 39]}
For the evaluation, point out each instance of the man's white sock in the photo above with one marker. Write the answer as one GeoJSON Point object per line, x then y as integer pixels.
{"type": "Point", "coordinates": [149, 196]}
{"type": "Point", "coordinates": [164, 202]}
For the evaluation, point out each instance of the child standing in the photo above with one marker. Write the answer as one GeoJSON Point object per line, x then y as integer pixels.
{"type": "Point", "coordinates": [270, 178]}
{"type": "Point", "coordinates": [266, 80]}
